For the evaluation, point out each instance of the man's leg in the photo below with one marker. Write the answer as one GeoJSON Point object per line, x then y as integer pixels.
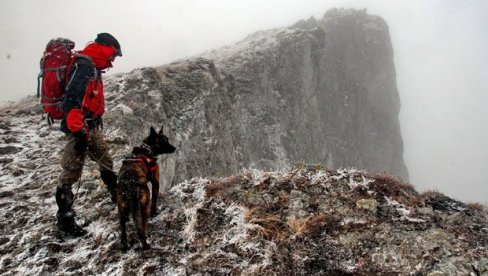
{"type": "Point", "coordinates": [72, 164]}
{"type": "Point", "coordinates": [99, 152]}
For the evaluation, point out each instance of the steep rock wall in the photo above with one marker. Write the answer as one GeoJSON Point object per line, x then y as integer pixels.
{"type": "Point", "coordinates": [321, 91]}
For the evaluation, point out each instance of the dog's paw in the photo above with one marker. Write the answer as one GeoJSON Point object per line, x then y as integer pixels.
{"type": "Point", "coordinates": [145, 247]}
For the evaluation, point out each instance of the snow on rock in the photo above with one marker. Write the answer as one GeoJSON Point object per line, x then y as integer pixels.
{"type": "Point", "coordinates": [245, 49]}
{"type": "Point", "coordinates": [123, 108]}
{"type": "Point", "coordinates": [303, 221]}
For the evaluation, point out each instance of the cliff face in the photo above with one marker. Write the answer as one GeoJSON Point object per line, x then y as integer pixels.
{"type": "Point", "coordinates": [321, 91]}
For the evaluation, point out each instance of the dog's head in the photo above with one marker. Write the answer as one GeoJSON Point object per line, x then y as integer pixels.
{"type": "Point", "coordinates": [159, 142]}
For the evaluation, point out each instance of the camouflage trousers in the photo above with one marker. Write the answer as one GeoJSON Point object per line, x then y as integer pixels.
{"type": "Point", "coordinates": [72, 161]}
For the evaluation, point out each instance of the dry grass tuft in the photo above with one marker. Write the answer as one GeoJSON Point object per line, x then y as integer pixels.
{"type": "Point", "coordinates": [426, 196]}
{"type": "Point", "coordinates": [311, 226]}
{"type": "Point", "coordinates": [271, 225]}
{"type": "Point", "coordinates": [391, 186]}
{"type": "Point", "coordinates": [283, 198]}
{"type": "Point", "coordinates": [300, 165]}
{"type": "Point", "coordinates": [431, 192]}
{"type": "Point", "coordinates": [478, 206]}
{"type": "Point", "coordinates": [217, 187]}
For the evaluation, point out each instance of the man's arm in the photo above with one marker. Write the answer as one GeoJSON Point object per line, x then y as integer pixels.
{"type": "Point", "coordinates": [78, 78]}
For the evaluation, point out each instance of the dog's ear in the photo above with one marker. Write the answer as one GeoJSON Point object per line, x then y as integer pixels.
{"type": "Point", "coordinates": [161, 131]}
{"type": "Point", "coordinates": [153, 132]}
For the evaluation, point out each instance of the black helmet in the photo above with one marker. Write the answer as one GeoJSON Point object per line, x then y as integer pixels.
{"type": "Point", "coordinates": [107, 39]}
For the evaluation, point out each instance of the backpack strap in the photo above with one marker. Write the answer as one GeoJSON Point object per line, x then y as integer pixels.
{"type": "Point", "coordinates": [74, 57]}
{"type": "Point", "coordinates": [39, 76]}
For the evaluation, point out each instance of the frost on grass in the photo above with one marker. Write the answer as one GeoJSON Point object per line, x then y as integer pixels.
{"type": "Point", "coordinates": [253, 223]}
{"type": "Point", "coordinates": [303, 221]}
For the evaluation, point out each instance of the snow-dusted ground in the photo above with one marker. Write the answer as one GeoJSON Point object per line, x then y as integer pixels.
{"type": "Point", "coordinates": [305, 221]}
{"type": "Point", "coordinates": [29, 168]}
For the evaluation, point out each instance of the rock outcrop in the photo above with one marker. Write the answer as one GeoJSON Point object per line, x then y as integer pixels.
{"type": "Point", "coordinates": [321, 91]}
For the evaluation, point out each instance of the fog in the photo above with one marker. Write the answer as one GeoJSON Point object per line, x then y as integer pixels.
{"type": "Point", "coordinates": [441, 57]}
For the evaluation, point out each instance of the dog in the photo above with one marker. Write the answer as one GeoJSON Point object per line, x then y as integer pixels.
{"type": "Point", "coordinates": [132, 190]}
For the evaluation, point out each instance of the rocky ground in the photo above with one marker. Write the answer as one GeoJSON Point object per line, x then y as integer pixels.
{"type": "Point", "coordinates": [305, 221]}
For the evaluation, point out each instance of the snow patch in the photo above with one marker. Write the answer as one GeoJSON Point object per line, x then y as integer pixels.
{"type": "Point", "coordinates": [123, 108]}
{"type": "Point", "coordinates": [404, 212]}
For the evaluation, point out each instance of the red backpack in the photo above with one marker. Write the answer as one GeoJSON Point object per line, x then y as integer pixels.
{"type": "Point", "coordinates": [54, 70]}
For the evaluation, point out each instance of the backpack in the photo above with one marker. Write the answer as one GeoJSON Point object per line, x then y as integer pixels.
{"type": "Point", "coordinates": [51, 81]}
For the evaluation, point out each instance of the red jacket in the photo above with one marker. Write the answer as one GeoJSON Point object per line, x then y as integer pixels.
{"type": "Point", "coordinates": [84, 98]}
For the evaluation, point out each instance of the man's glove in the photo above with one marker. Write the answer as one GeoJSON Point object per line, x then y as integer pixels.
{"type": "Point", "coordinates": [81, 143]}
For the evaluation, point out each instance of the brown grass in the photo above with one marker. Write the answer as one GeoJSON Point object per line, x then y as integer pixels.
{"type": "Point", "coordinates": [430, 193]}
{"type": "Point", "coordinates": [218, 187]}
{"type": "Point", "coordinates": [310, 226]}
{"type": "Point", "coordinates": [391, 186]}
{"type": "Point", "coordinates": [477, 206]}
{"type": "Point", "coordinates": [272, 226]}
{"type": "Point", "coordinates": [283, 198]}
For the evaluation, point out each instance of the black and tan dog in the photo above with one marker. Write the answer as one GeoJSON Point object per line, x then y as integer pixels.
{"type": "Point", "coordinates": [133, 192]}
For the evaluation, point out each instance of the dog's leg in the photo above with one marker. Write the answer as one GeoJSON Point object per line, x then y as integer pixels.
{"type": "Point", "coordinates": [155, 192]}
{"type": "Point", "coordinates": [145, 212]}
{"type": "Point", "coordinates": [123, 217]}
{"type": "Point", "coordinates": [154, 198]}
{"type": "Point", "coordinates": [141, 217]}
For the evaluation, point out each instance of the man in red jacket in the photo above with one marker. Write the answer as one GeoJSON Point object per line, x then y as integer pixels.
{"type": "Point", "coordinates": [83, 106]}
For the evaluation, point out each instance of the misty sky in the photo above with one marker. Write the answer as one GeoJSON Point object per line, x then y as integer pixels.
{"type": "Point", "coordinates": [441, 57]}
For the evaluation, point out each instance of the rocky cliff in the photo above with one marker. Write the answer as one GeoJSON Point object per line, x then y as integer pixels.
{"type": "Point", "coordinates": [321, 91]}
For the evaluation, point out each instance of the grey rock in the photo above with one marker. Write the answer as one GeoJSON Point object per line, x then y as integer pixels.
{"type": "Point", "coordinates": [9, 150]}
{"type": "Point", "coordinates": [367, 204]}
{"type": "Point", "coordinates": [425, 211]}
{"type": "Point", "coordinates": [321, 92]}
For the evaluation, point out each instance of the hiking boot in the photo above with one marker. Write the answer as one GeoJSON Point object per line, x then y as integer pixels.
{"type": "Point", "coordinates": [113, 195]}
{"type": "Point", "coordinates": [113, 192]}
{"type": "Point", "coordinates": [72, 229]}
{"type": "Point", "coordinates": [110, 180]}
{"type": "Point", "coordinates": [67, 224]}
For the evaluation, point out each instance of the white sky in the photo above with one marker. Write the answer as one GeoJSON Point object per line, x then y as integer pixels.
{"type": "Point", "coordinates": [441, 56]}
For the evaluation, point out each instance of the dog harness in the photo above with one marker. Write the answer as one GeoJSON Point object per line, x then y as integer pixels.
{"type": "Point", "coordinates": [143, 155]}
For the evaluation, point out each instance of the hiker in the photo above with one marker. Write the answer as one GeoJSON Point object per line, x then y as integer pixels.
{"type": "Point", "coordinates": [83, 107]}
